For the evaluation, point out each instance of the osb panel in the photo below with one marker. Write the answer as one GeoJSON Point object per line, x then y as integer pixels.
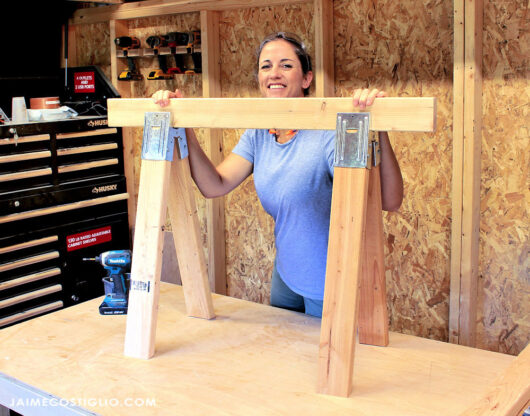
{"type": "Point", "coordinates": [406, 49]}
{"type": "Point", "coordinates": [249, 230]}
{"type": "Point", "coordinates": [93, 46]}
{"type": "Point", "coordinates": [504, 265]}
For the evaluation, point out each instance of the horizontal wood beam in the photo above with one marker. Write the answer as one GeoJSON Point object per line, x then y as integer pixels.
{"type": "Point", "coordinates": [163, 7]}
{"type": "Point", "coordinates": [388, 114]}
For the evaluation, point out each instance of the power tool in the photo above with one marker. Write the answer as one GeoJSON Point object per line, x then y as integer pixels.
{"type": "Point", "coordinates": [178, 42]}
{"type": "Point", "coordinates": [126, 43]}
{"type": "Point", "coordinates": [156, 42]}
{"type": "Point", "coordinates": [116, 283]}
{"type": "Point", "coordinates": [182, 44]}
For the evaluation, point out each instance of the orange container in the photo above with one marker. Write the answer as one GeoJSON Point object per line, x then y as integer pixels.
{"type": "Point", "coordinates": [44, 103]}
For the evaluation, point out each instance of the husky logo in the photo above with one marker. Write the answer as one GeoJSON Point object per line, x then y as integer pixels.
{"type": "Point", "coordinates": [96, 123]}
{"type": "Point", "coordinates": [106, 188]}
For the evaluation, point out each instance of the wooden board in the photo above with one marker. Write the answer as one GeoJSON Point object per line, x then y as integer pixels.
{"type": "Point", "coordinates": [388, 114]}
{"type": "Point", "coordinates": [213, 141]}
{"type": "Point", "coordinates": [324, 69]}
{"type": "Point", "coordinates": [252, 360]}
{"type": "Point", "coordinates": [467, 129]}
{"type": "Point", "coordinates": [164, 7]}
{"type": "Point", "coordinates": [343, 279]}
{"type": "Point", "coordinates": [373, 312]}
{"type": "Point", "coordinates": [146, 264]}
{"type": "Point", "coordinates": [187, 241]}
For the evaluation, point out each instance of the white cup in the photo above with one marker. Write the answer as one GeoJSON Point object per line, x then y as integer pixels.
{"type": "Point", "coordinates": [19, 113]}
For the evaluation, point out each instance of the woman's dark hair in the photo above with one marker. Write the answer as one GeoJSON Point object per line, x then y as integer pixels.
{"type": "Point", "coordinates": [299, 48]}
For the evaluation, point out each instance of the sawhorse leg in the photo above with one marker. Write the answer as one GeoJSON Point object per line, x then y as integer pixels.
{"type": "Point", "coordinates": [373, 313]}
{"type": "Point", "coordinates": [164, 182]}
{"type": "Point", "coordinates": [354, 269]}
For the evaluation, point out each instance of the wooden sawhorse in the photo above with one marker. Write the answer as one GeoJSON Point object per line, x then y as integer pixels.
{"type": "Point", "coordinates": [355, 253]}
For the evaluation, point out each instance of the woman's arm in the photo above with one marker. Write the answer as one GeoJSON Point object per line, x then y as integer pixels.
{"type": "Point", "coordinates": [212, 181]}
{"type": "Point", "coordinates": [391, 178]}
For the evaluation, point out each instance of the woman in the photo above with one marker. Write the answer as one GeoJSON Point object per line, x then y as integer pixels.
{"type": "Point", "coordinates": [293, 175]}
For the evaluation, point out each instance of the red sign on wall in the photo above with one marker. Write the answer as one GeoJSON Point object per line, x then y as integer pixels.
{"type": "Point", "coordinates": [84, 82]}
{"type": "Point", "coordinates": [88, 238]}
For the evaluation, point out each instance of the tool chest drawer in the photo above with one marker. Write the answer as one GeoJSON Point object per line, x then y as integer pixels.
{"type": "Point", "coordinates": [63, 198]}
{"type": "Point", "coordinates": [44, 268]}
{"type": "Point", "coordinates": [44, 155]}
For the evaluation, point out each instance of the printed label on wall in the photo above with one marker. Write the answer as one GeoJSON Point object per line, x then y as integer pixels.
{"type": "Point", "coordinates": [84, 82]}
{"type": "Point", "coordinates": [88, 238]}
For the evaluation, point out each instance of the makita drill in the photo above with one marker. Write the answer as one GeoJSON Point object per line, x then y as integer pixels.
{"type": "Point", "coordinates": [116, 283]}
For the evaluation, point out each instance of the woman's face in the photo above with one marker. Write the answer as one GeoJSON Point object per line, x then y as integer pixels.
{"type": "Point", "coordinates": [280, 72]}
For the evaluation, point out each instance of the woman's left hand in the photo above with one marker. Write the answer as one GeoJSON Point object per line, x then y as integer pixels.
{"type": "Point", "coordinates": [363, 98]}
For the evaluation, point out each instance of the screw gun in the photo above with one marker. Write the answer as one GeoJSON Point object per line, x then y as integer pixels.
{"type": "Point", "coordinates": [117, 263]}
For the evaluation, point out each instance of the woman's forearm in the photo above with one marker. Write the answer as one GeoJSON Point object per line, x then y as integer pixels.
{"type": "Point", "coordinates": [391, 179]}
{"type": "Point", "coordinates": [214, 181]}
{"type": "Point", "coordinates": [202, 170]}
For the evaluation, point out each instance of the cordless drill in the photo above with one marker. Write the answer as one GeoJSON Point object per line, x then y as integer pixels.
{"type": "Point", "coordinates": [126, 43]}
{"type": "Point", "coordinates": [117, 263]}
{"type": "Point", "coordinates": [156, 42]}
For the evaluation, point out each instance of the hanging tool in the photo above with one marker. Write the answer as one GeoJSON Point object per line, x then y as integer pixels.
{"type": "Point", "coordinates": [116, 283]}
{"type": "Point", "coordinates": [178, 42]}
{"type": "Point", "coordinates": [126, 43]}
{"type": "Point", "coordinates": [157, 42]}
{"type": "Point", "coordinates": [193, 48]}
{"type": "Point", "coordinates": [182, 44]}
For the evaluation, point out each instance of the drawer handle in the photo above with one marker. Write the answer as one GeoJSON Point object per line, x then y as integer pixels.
{"type": "Point", "coordinates": [86, 149]}
{"type": "Point", "coordinates": [87, 165]}
{"type": "Point", "coordinates": [62, 208]}
{"type": "Point", "coordinates": [25, 156]}
{"type": "Point", "coordinates": [25, 174]}
{"type": "Point", "coordinates": [29, 278]}
{"type": "Point", "coordinates": [27, 244]}
{"type": "Point", "coordinates": [29, 260]}
{"type": "Point", "coordinates": [26, 139]}
{"type": "Point", "coordinates": [30, 312]}
{"type": "Point", "coordinates": [98, 132]}
{"type": "Point", "coordinates": [30, 295]}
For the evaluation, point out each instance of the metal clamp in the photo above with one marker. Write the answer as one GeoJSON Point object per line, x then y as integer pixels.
{"type": "Point", "coordinates": [159, 138]}
{"type": "Point", "coordinates": [355, 147]}
{"type": "Point", "coordinates": [157, 143]}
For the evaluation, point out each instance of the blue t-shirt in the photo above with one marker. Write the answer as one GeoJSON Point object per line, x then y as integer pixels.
{"type": "Point", "coordinates": [294, 182]}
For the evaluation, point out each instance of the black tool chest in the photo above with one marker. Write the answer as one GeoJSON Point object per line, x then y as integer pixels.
{"type": "Point", "coordinates": [63, 198]}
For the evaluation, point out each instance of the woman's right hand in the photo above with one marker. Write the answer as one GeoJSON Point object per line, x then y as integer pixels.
{"type": "Point", "coordinates": [161, 97]}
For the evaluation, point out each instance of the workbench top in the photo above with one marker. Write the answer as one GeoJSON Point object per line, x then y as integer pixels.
{"type": "Point", "coordinates": [252, 359]}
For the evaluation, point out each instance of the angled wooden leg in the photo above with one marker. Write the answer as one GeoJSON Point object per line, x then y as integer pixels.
{"type": "Point", "coordinates": [147, 259]}
{"type": "Point", "coordinates": [373, 314]}
{"type": "Point", "coordinates": [188, 244]}
{"type": "Point", "coordinates": [343, 278]}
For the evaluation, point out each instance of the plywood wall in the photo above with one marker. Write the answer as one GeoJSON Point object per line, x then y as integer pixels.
{"type": "Point", "coordinates": [405, 48]}
{"type": "Point", "coordinates": [504, 262]}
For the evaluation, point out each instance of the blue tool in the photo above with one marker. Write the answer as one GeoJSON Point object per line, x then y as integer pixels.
{"type": "Point", "coordinates": [116, 283]}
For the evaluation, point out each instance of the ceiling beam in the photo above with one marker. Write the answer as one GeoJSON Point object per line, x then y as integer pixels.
{"type": "Point", "coordinates": [150, 8]}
